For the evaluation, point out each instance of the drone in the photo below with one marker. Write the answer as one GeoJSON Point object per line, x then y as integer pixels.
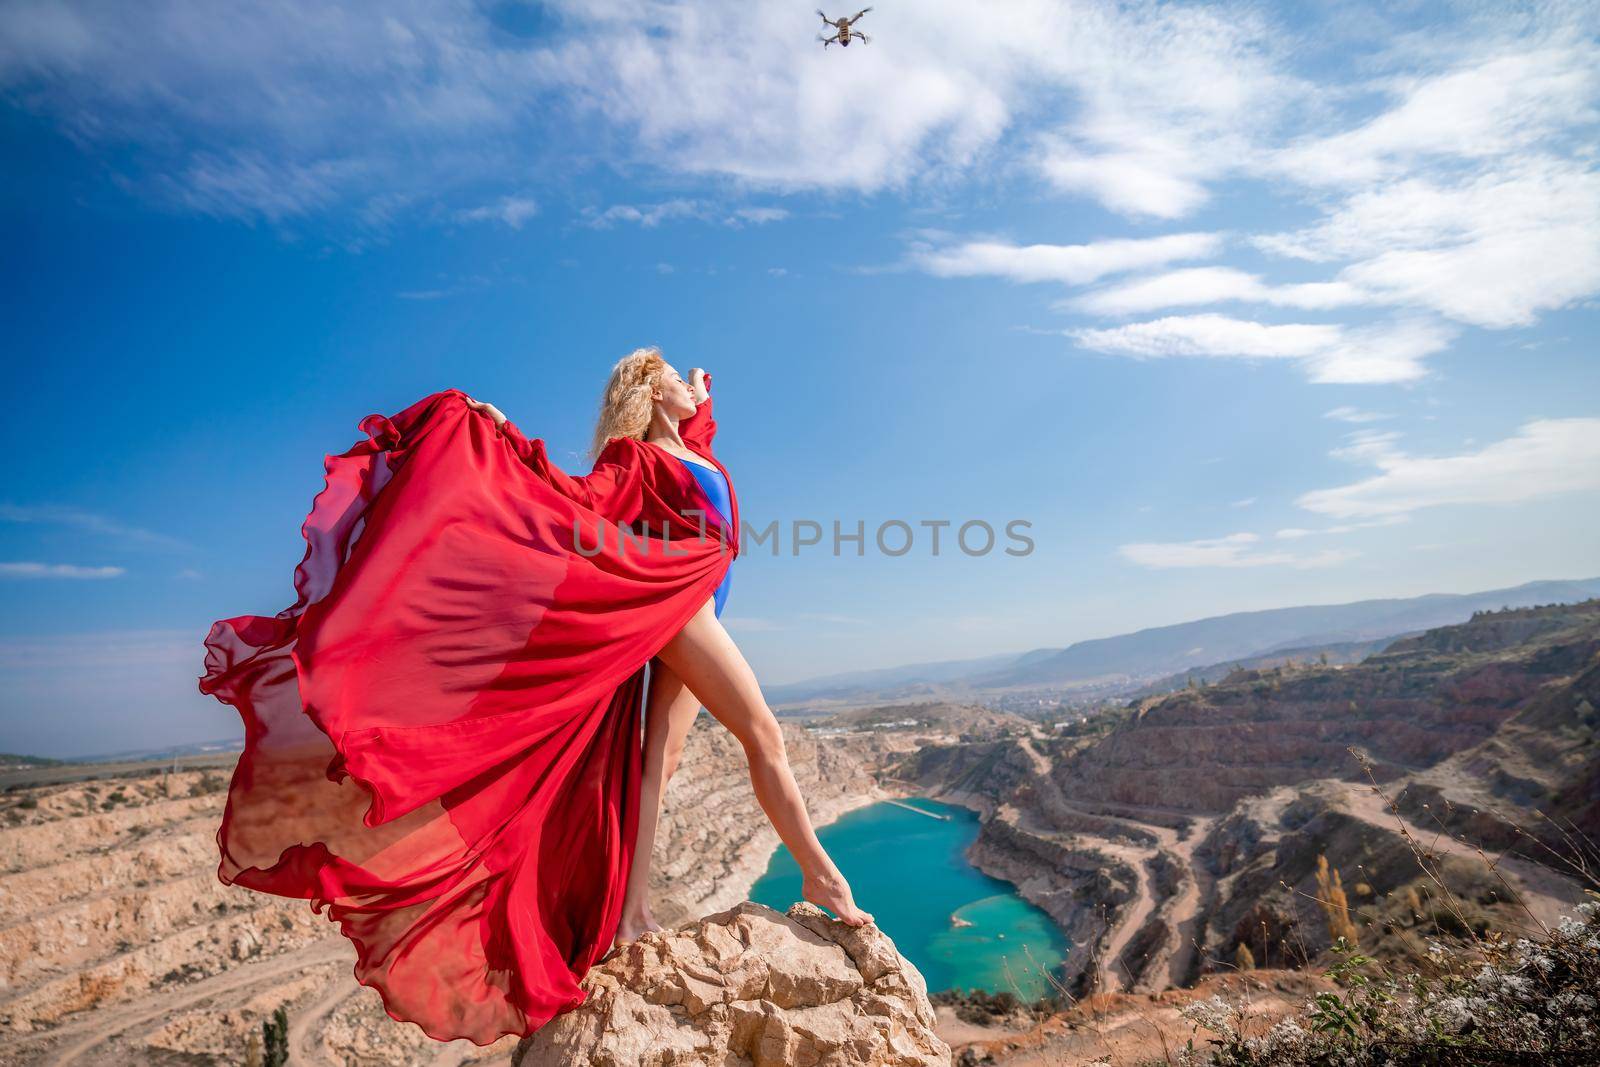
{"type": "Point", "coordinates": [842, 31]}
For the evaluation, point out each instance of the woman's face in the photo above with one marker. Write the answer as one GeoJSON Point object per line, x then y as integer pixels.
{"type": "Point", "coordinates": [674, 395]}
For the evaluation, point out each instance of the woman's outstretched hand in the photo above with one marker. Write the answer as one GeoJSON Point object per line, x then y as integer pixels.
{"type": "Point", "coordinates": [698, 379]}
{"type": "Point", "coordinates": [488, 409]}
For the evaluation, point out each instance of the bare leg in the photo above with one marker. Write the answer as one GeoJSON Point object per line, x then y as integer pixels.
{"type": "Point", "coordinates": [714, 669]}
{"type": "Point", "coordinates": [669, 713]}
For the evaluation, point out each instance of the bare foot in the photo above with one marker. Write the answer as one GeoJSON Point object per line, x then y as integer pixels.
{"type": "Point", "coordinates": [634, 923]}
{"type": "Point", "coordinates": [831, 891]}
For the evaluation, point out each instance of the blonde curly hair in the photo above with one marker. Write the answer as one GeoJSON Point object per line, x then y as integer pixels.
{"type": "Point", "coordinates": [626, 407]}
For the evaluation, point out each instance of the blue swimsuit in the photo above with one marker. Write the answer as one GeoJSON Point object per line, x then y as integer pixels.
{"type": "Point", "coordinates": [716, 487]}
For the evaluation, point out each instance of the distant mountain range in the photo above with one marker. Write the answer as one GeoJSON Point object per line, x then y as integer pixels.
{"type": "Point", "coordinates": [1130, 661]}
{"type": "Point", "coordinates": [1338, 652]}
{"type": "Point", "coordinates": [194, 748]}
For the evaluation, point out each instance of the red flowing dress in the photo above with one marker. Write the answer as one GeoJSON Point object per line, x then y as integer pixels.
{"type": "Point", "coordinates": [442, 733]}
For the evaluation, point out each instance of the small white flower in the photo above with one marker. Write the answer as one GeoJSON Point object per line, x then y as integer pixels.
{"type": "Point", "coordinates": [1453, 1014]}
{"type": "Point", "coordinates": [1215, 1014]}
{"type": "Point", "coordinates": [1516, 985]}
{"type": "Point", "coordinates": [1284, 1036]}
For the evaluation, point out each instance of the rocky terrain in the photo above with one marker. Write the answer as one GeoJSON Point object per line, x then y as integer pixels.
{"type": "Point", "coordinates": [117, 942]}
{"type": "Point", "coordinates": [1123, 1028]}
{"type": "Point", "coordinates": [1196, 824]}
{"type": "Point", "coordinates": [714, 841]}
{"type": "Point", "coordinates": [1174, 840]}
{"type": "Point", "coordinates": [749, 986]}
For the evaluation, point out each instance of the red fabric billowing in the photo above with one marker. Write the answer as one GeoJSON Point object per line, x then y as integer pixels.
{"type": "Point", "coordinates": [442, 733]}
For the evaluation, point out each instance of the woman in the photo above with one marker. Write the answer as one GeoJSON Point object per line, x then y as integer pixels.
{"type": "Point", "coordinates": [442, 733]}
{"type": "Point", "coordinates": [646, 398]}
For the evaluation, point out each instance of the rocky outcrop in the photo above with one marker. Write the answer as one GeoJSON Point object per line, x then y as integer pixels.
{"type": "Point", "coordinates": [748, 986]}
{"type": "Point", "coordinates": [118, 942]}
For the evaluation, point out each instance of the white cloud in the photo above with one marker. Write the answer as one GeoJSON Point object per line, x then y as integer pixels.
{"type": "Point", "coordinates": [1069, 264]}
{"type": "Point", "coordinates": [448, 286]}
{"type": "Point", "coordinates": [935, 93]}
{"type": "Point", "coordinates": [1345, 413]}
{"type": "Point", "coordinates": [276, 110]}
{"type": "Point", "coordinates": [1210, 335]}
{"type": "Point", "coordinates": [1293, 533]}
{"type": "Point", "coordinates": [1170, 99]}
{"type": "Point", "coordinates": [652, 215]}
{"type": "Point", "coordinates": [1544, 458]}
{"type": "Point", "coordinates": [1490, 106]}
{"type": "Point", "coordinates": [1244, 549]}
{"type": "Point", "coordinates": [294, 107]}
{"type": "Point", "coordinates": [1390, 352]}
{"type": "Point", "coordinates": [1367, 446]}
{"type": "Point", "coordinates": [1472, 195]}
{"type": "Point", "coordinates": [648, 216]}
{"type": "Point", "coordinates": [1493, 250]}
{"type": "Point", "coordinates": [62, 515]}
{"type": "Point", "coordinates": [1154, 181]}
{"type": "Point", "coordinates": [1209, 285]}
{"type": "Point", "coordinates": [760, 215]}
{"type": "Point", "coordinates": [29, 569]}
{"type": "Point", "coordinates": [1234, 550]}
{"type": "Point", "coordinates": [1332, 353]}
{"type": "Point", "coordinates": [513, 211]}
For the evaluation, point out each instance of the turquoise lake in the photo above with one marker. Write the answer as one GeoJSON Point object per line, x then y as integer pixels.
{"type": "Point", "coordinates": [909, 871]}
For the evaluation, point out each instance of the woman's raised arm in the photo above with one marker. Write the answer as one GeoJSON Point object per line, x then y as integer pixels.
{"type": "Point", "coordinates": [699, 429]}
{"type": "Point", "coordinates": [615, 488]}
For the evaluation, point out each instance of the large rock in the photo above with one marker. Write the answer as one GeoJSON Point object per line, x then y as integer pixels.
{"type": "Point", "coordinates": [748, 986]}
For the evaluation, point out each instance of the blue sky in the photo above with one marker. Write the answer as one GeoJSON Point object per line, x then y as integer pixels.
{"type": "Point", "coordinates": [1239, 306]}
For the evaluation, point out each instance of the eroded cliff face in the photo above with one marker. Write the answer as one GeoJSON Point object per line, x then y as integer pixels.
{"type": "Point", "coordinates": [749, 986]}
{"type": "Point", "coordinates": [1409, 707]}
{"type": "Point", "coordinates": [1196, 825]}
{"type": "Point", "coordinates": [118, 942]}
{"type": "Point", "coordinates": [714, 841]}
